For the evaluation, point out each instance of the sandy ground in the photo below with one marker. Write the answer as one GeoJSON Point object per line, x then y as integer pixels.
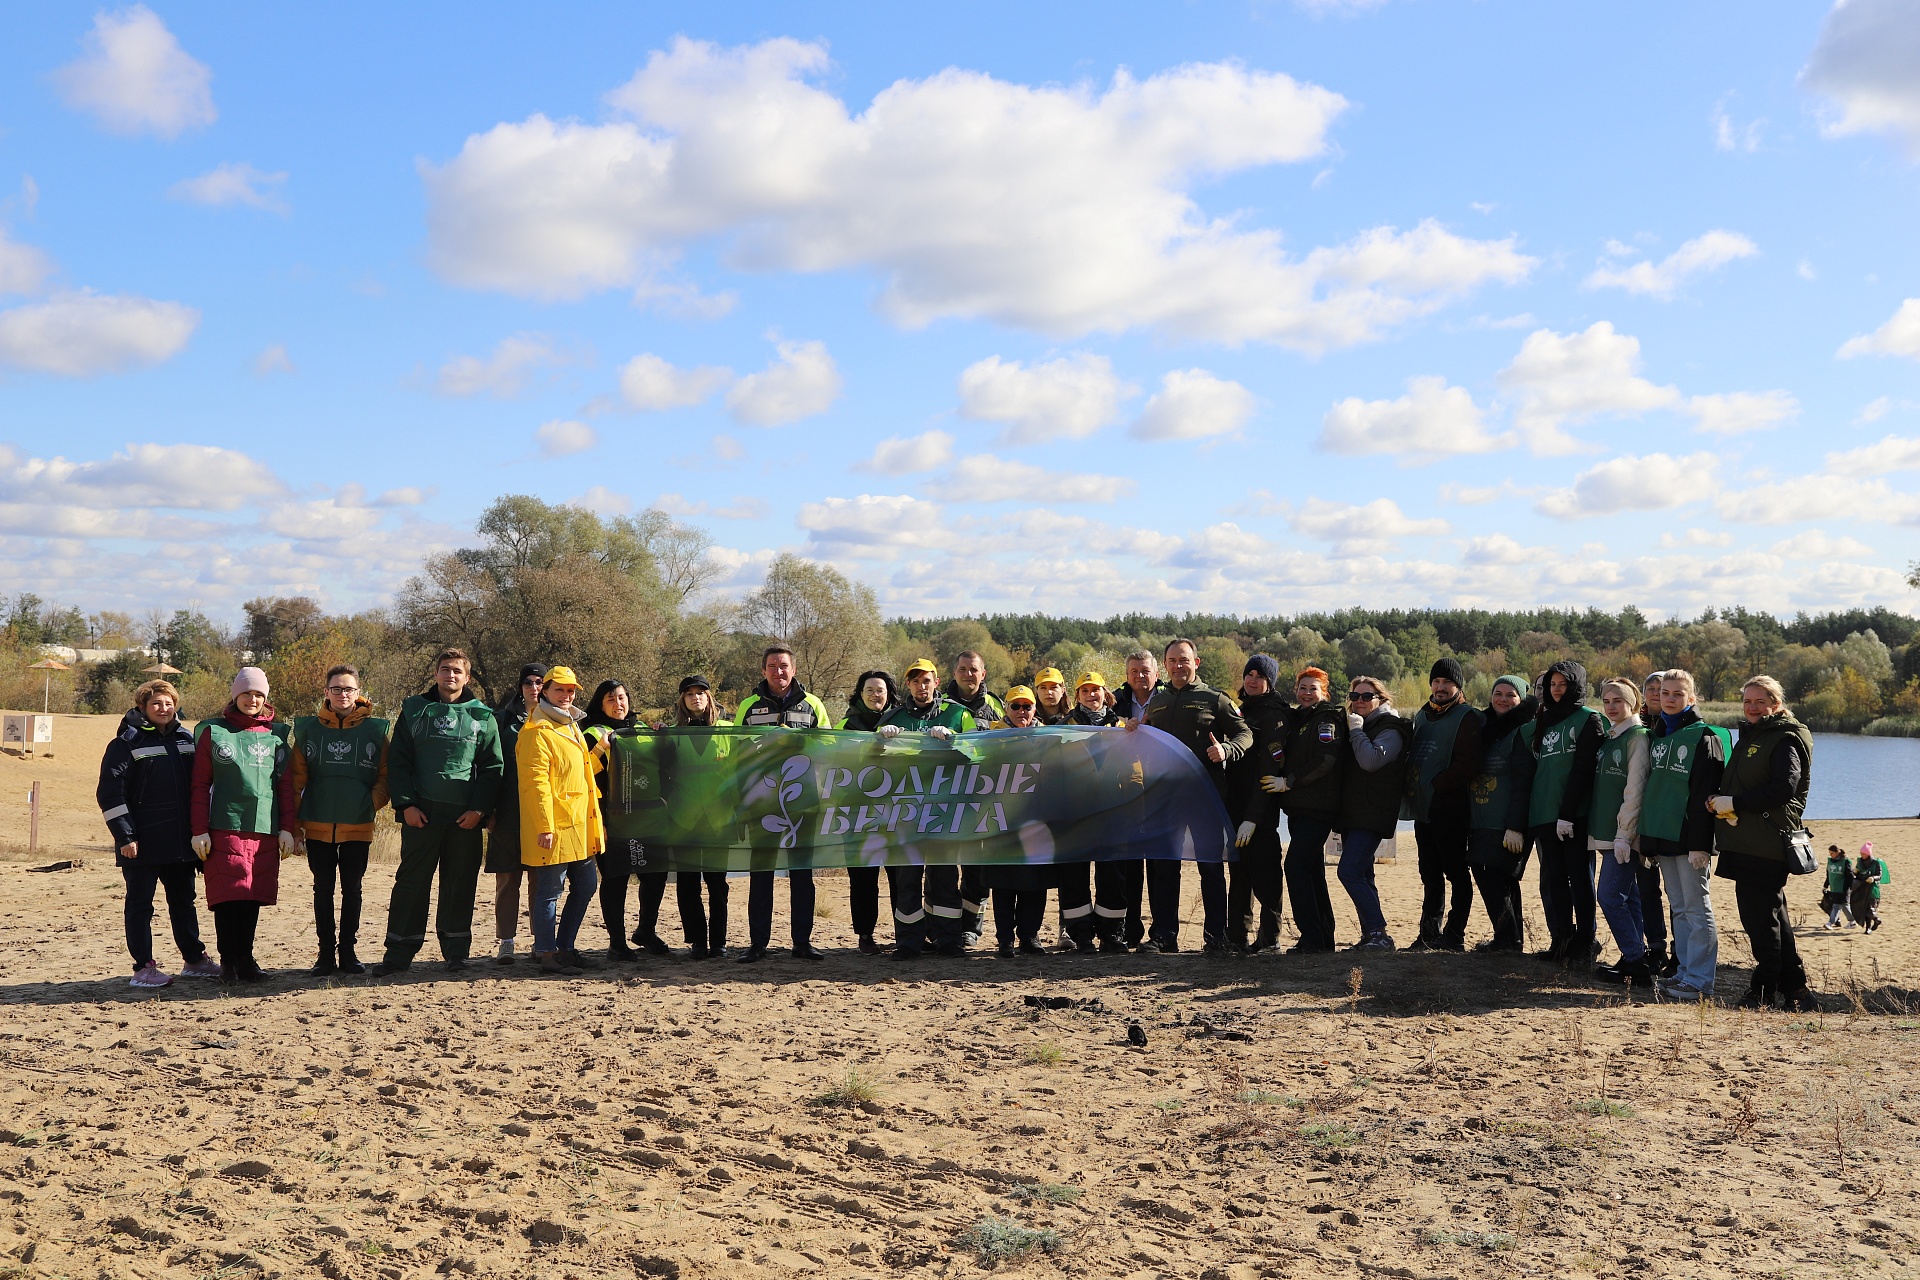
{"type": "Point", "coordinates": [1419, 1116]}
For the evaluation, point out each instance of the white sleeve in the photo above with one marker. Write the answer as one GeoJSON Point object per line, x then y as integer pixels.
{"type": "Point", "coordinates": [1637, 763]}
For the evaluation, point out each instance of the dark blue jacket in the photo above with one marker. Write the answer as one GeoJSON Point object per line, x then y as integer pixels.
{"type": "Point", "coordinates": [146, 777]}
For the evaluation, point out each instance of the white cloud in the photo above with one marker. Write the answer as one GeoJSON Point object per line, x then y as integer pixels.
{"type": "Point", "coordinates": [801, 382]}
{"type": "Point", "coordinates": [1729, 136]}
{"type": "Point", "coordinates": [234, 184]}
{"type": "Point", "coordinates": [985, 478]}
{"type": "Point", "coordinates": [1433, 420]}
{"type": "Point", "coordinates": [727, 449]}
{"type": "Point", "coordinates": [649, 383]}
{"type": "Point", "coordinates": [1360, 529]}
{"type": "Point", "coordinates": [1863, 64]}
{"type": "Point", "coordinates": [23, 268]}
{"type": "Point", "coordinates": [1737, 412]}
{"type": "Point", "coordinates": [1805, 271]}
{"type": "Point", "coordinates": [273, 359]}
{"type": "Point", "coordinates": [867, 526]}
{"type": "Point", "coordinates": [1695, 538]}
{"type": "Point", "coordinates": [1061, 209]}
{"type": "Point", "coordinates": [1558, 379]}
{"type": "Point", "coordinates": [1889, 453]}
{"type": "Point", "coordinates": [1467, 495]}
{"type": "Point", "coordinates": [1499, 549]}
{"type": "Point", "coordinates": [1819, 497]}
{"type": "Point", "coordinates": [561, 438]}
{"type": "Point", "coordinates": [1656, 482]}
{"type": "Point", "coordinates": [1873, 410]}
{"type": "Point", "coordinates": [133, 77]}
{"type": "Point", "coordinates": [904, 455]}
{"type": "Point", "coordinates": [505, 372]}
{"type": "Point", "coordinates": [320, 519]}
{"type": "Point", "coordinates": [1704, 253]}
{"type": "Point", "coordinates": [1064, 399]}
{"type": "Point", "coordinates": [1817, 545]}
{"type": "Point", "coordinates": [180, 476]}
{"type": "Point", "coordinates": [81, 334]}
{"type": "Point", "coordinates": [675, 505]}
{"type": "Point", "coordinates": [1192, 404]}
{"type": "Point", "coordinates": [603, 501]}
{"type": "Point", "coordinates": [1899, 336]}
{"type": "Point", "coordinates": [683, 301]}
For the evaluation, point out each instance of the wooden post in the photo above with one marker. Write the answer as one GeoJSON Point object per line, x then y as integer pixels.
{"type": "Point", "coordinates": [33, 818]}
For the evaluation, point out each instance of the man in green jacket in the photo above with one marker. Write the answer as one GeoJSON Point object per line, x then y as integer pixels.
{"type": "Point", "coordinates": [444, 771]}
{"type": "Point", "coordinates": [926, 711]}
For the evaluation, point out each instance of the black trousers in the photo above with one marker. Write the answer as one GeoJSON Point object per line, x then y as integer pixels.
{"type": "Point", "coordinates": [946, 909]}
{"type": "Point", "coordinates": [1117, 890]}
{"type": "Point", "coordinates": [234, 924]}
{"type": "Point", "coordinates": [1074, 881]}
{"type": "Point", "coordinates": [863, 899]}
{"type": "Point", "coordinates": [973, 898]}
{"type": "Point", "coordinates": [177, 879]}
{"type": "Point", "coordinates": [348, 860]}
{"type": "Point", "coordinates": [698, 926]}
{"type": "Point", "coordinates": [1566, 890]}
{"type": "Point", "coordinates": [1306, 873]}
{"type": "Point", "coordinates": [799, 905]}
{"type": "Point", "coordinates": [1257, 876]}
{"type": "Point", "coordinates": [1762, 901]}
{"type": "Point", "coordinates": [1653, 907]}
{"type": "Point", "coordinates": [1018, 912]}
{"type": "Point", "coordinates": [1497, 872]}
{"type": "Point", "coordinates": [1163, 901]}
{"type": "Point", "coordinates": [616, 870]}
{"type": "Point", "coordinates": [905, 889]}
{"type": "Point", "coordinates": [1443, 862]}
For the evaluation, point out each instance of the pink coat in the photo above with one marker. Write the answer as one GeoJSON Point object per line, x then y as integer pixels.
{"type": "Point", "coordinates": [243, 868]}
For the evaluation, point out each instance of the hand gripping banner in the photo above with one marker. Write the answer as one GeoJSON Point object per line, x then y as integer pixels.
{"type": "Point", "coordinates": [740, 799]}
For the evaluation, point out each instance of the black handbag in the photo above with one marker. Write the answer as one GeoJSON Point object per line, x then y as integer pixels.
{"type": "Point", "coordinates": [1800, 860]}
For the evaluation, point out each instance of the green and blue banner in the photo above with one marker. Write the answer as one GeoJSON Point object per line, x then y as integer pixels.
{"type": "Point", "coordinates": [739, 799]}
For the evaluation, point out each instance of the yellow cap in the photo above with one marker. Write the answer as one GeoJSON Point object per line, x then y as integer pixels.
{"type": "Point", "coordinates": [1049, 675]}
{"type": "Point", "coordinates": [923, 664]}
{"type": "Point", "coordinates": [561, 675]}
{"type": "Point", "coordinates": [1093, 678]}
{"type": "Point", "coordinates": [1020, 693]}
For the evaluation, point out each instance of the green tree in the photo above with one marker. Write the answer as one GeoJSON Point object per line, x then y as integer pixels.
{"type": "Point", "coordinates": [833, 624]}
{"type": "Point", "coordinates": [1365, 652]}
{"type": "Point", "coordinates": [1221, 660]}
{"type": "Point", "coordinates": [967, 634]}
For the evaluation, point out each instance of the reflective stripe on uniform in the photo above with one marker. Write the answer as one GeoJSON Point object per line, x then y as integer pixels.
{"type": "Point", "coordinates": [448, 933]}
{"type": "Point", "coordinates": [145, 753]}
{"type": "Point", "coordinates": [904, 918]}
{"type": "Point", "coordinates": [1074, 913]}
{"type": "Point", "coordinates": [1111, 913]}
{"type": "Point", "coordinates": [950, 913]}
{"type": "Point", "coordinates": [118, 811]}
{"type": "Point", "coordinates": [415, 937]}
{"type": "Point", "coordinates": [971, 906]}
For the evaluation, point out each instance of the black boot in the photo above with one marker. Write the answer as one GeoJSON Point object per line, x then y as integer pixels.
{"type": "Point", "coordinates": [325, 965]}
{"type": "Point", "coordinates": [1430, 938]}
{"type": "Point", "coordinates": [349, 962]}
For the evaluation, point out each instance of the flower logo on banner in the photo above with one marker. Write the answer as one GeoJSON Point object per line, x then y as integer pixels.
{"type": "Point", "coordinates": [788, 789]}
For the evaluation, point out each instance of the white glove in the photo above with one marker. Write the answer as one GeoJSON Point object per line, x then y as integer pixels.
{"type": "Point", "coordinates": [1563, 829]}
{"type": "Point", "coordinates": [1699, 859]}
{"type": "Point", "coordinates": [1720, 804]}
{"type": "Point", "coordinates": [889, 731]}
{"type": "Point", "coordinates": [1244, 834]}
{"type": "Point", "coordinates": [1275, 786]}
{"type": "Point", "coordinates": [1354, 721]}
{"type": "Point", "coordinates": [202, 846]}
{"type": "Point", "coordinates": [1513, 841]}
{"type": "Point", "coordinates": [1622, 851]}
{"type": "Point", "coordinates": [287, 845]}
{"type": "Point", "coordinates": [941, 732]}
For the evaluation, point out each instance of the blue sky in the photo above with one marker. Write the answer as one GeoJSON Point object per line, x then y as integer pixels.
{"type": "Point", "coordinates": [1255, 308]}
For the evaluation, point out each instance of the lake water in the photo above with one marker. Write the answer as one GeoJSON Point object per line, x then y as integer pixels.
{"type": "Point", "coordinates": [1856, 777]}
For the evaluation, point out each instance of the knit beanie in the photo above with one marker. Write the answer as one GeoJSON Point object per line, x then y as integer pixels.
{"type": "Point", "coordinates": [537, 670]}
{"type": "Point", "coordinates": [248, 678]}
{"type": "Point", "coordinates": [1520, 684]}
{"type": "Point", "coordinates": [1450, 669]}
{"type": "Point", "coordinates": [1268, 669]}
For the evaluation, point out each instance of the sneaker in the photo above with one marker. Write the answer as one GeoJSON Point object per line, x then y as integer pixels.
{"type": "Point", "coordinates": [807, 951]}
{"type": "Point", "coordinates": [970, 939]}
{"type": "Point", "coordinates": [1680, 991]}
{"type": "Point", "coordinates": [149, 977]}
{"type": "Point", "coordinates": [578, 961]}
{"type": "Point", "coordinates": [1376, 942]}
{"type": "Point", "coordinates": [504, 954]}
{"type": "Point", "coordinates": [204, 967]}
{"type": "Point", "coordinates": [868, 947]}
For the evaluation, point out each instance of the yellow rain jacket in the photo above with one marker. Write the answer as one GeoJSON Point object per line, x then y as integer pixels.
{"type": "Point", "coordinates": [558, 792]}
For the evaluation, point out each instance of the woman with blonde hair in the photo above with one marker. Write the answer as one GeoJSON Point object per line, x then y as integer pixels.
{"type": "Point", "coordinates": [560, 828]}
{"type": "Point", "coordinates": [1613, 829]}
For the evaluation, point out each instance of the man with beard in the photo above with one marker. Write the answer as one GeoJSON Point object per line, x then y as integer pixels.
{"type": "Point", "coordinates": [780, 700]}
{"type": "Point", "coordinates": [1257, 875]}
{"type": "Point", "coordinates": [1446, 757]}
{"type": "Point", "coordinates": [968, 688]}
{"type": "Point", "coordinates": [1562, 757]}
{"type": "Point", "coordinates": [1497, 821]}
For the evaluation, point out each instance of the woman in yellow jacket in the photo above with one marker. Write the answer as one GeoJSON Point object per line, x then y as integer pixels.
{"type": "Point", "coordinates": [560, 828]}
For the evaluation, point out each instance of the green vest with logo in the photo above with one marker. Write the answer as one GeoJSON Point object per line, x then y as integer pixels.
{"type": "Point", "coordinates": [1553, 757]}
{"type": "Point", "coordinates": [342, 767]}
{"type": "Point", "coordinates": [1670, 760]}
{"type": "Point", "coordinates": [244, 767]}
{"type": "Point", "coordinates": [1432, 753]}
{"type": "Point", "coordinates": [1610, 783]}
{"type": "Point", "coordinates": [1493, 786]}
{"type": "Point", "coordinates": [1763, 835]}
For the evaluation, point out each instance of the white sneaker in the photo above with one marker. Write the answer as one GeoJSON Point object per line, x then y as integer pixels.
{"type": "Point", "coordinates": [151, 977]}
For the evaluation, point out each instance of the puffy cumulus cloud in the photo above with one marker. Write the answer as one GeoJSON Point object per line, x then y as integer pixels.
{"type": "Point", "coordinates": [83, 334]}
{"type": "Point", "coordinates": [320, 520]}
{"type": "Point", "coordinates": [133, 77]}
{"type": "Point", "coordinates": [505, 372]}
{"type": "Point", "coordinates": [1819, 497]}
{"type": "Point", "coordinates": [1660, 279]}
{"type": "Point", "coordinates": [1889, 453]}
{"type": "Point", "coordinates": [873, 525]}
{"type": "Point", "coordinates": [234, 184]}
{"type": "Point", "coordinates": [1061, 209]}
{"type": "Point", "coordinates": [184, 476]}
{"type": "Point", "coordinates": [1670, 541]}
{"type": "Point", "coordinates": [1499, 549]}
{"type": "Point", "coordinates": [1192, 404]}
{"type": "Point", "coordinates": [679, 507]}
{"type": "Point", "coordinates": [562, 438]}
{"type": "Point", "coordinates": [1863, 65]}
{"type": "Point", "coordinates": [1899, 336]}
{"type": "Point", "coordinates": [1360, 529]}
{"type": "Point", "coordinates": [905, 455]}
{"type": "Point", "coordinates": [23, 268]}
{"type": "Point", "coordinates": [985, 478]}
{"type": "Point", "coordinates": [1817, 544]}
{"type": "Point", "coordinates": [603, 501]}
{"type": "Point", "coordinates": [801, 382]}
{"type": "Point", "coordinates": [1559, 379]}
{"type": "Point", "coordinates": [1656, 482]}
{"type": "Point", "coordinates": [651, 384]}
{"type": "Point", "coordinates": [1433, 420]}
{"type": "Point", "coordinates": [1737, 412]}
{"type": "Point", "coordinates": [1064, 399]}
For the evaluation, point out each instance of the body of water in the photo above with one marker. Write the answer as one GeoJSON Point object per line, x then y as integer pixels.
{"type": "Point", "coordinates": [1858, 777]}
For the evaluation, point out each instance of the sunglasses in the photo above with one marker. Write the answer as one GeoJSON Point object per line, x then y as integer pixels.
{"type": "Point", "coordinates": [1363, 697]}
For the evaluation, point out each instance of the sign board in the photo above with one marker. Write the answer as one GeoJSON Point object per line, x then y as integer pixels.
{"type": "Point", "coordinates": [25, 731]}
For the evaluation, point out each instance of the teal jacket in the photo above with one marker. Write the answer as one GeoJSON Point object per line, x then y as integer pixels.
{"type": "Point", "coordinates": [445, 756]}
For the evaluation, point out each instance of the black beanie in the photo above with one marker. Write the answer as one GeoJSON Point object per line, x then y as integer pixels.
{"type": "Point", "coordinates": [1449, 669]}
{"type": "Point", "coordinates": [1267, 667]}
{"type": "Point", "coordinates": [536, 669]}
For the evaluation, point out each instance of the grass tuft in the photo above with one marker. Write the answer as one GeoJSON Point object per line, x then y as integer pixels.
{"type": "Point", "coordinates": [1044, 1055]}
{"type": "Point", "coordinates": [850, 1092]}
{"type": "Point", "coordinates": [1263, 1098]}
{"type": "Point", "coordinates": [1329, 1133]}
{"type": "Point", "coordinates": [994, 1240]}
{"type": "Point", "coordinates": [1491, 1241]}
{"type": "Point", "coordinates": [1047, 1192]}
{"type": "Point", "coordinates": [1604, 1107]}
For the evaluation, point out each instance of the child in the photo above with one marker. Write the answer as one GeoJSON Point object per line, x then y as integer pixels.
{"type": "Point", "coordinates": [1869, 873]}
{"type": "Point", "coordinates": [1833, 899]}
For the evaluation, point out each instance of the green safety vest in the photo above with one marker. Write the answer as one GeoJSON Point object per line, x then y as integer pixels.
{"type": "Point", "coordinates": [1763, 835]}
{"type": "Point", "coordinates": [1493, 785]}
{"type": "Point", "coordinates": [342, 767]}
{"type": "Point", "coordinates": [1610, 783]}
{"type": "Point", "coordinates": [1432, 753]}
{"type": "Point", "coordinates": [1554, 766]}
{"type": "Point", "coordinates": [244, 768]}
{"type": "Point", "coordinates": [1663, 813]}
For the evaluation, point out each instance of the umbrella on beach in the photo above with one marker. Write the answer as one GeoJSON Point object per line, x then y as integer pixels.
{"type": "Point", "coordinates": [48, 665]}
{"type": "Point", "coordinates": [160, 669]}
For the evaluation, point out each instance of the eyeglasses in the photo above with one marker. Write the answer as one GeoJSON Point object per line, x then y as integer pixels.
{"type": "Point", "coordinates": [1363, 697]}
{"type": "Point", "coordinates": [343, 688]}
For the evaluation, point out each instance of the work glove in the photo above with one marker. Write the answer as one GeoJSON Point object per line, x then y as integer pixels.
{"type": "Point", "coordinates": [1699, 859]}
{"type": "Point", "coordinates": [1622, 851]}
{"type": "Point", "coordinates": [1244, 834]}
{"type": "Point", "coordinates": [287, 845]}
{"type": "Point", "coordinates": [1513, 841]}
{"type": "Point", "coordinates": [1274, 786]}
{"type": "Point", "coordinates": [1720, 805]}
{"type": "Point", "coordinates": [889, 731]}
{"type": "Point", "coordinates": [202, 846]}
{"type": "Point", "coordinates": [941, 732]}
{"type": "Point", "coordinates": [1354, 721]}
{"type": "Point", "coordinates": [1563, 829]}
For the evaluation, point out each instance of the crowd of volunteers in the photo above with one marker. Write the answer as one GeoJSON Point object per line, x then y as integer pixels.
{"type": "Point", "coordinates": [1632, 809]}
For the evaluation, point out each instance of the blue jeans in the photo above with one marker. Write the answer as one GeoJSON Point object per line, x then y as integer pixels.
{"type": "Point", "coordinates": [1356, 877]}
{"type": "Point", "coordinates": [1619, 894]}
{"type": "Point", "coordinates": [579, 879]}
{"type": "Point", "coordinates": [1696, 943]}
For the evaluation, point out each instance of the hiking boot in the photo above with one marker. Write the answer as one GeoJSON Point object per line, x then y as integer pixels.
{"type": "Point", "coordinates": [1004, 951]}
{"type": "Point", "coordinates": [655, 945]}
{"type": "Point", "coordinates": [953, 949]}
{"type": "Point", "coordinates": [454, 964]}
{"type": "Point", "coordinates": [556, 962]}
{"type": "Point", "coordinates": [1757, 997]}
{"type": "Point", "coordinates": [1112, 946]}
{"type": "Point", "coordinates": [807, 951]}
{"type": "Point", "coordinates": [349, 962]}
{"type": "Point", "coordinates": [753, 955]}
{"type": "Point", "coordinates": [698, 953]}
{"type": "Point", "coordinates": [150, 977]}
{"type": "Point", "coordinates": [204, 967]}
{"type": "Point", "coordinates": [250, 971]}
{"type": "Point", "coordinates": [868, 947]}
{"type": "Point", "coordinates": [906, 953]}
{"type": "Point", "coordinates": [386, 968]}
{"type": "Point", "coordinates": [578, 961]}
{"type": "Point", "coordinates": [324, 966]}
{"type": "Point", "coordinates": [621, 953]}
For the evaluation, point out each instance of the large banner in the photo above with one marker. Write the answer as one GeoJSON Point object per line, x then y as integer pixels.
{"type": "Point", "coordinates": [738, 799]}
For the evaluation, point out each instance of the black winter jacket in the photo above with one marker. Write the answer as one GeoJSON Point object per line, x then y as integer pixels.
{"type": "Point", "coordinates": [1266, 715]}
{"type": "Point", "coordinates": [146, 777]}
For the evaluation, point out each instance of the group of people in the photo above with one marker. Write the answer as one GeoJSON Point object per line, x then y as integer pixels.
{"type": "Point", "coordinates": [1853, 888]}
{"type": "Point", "coordinates": [1628, 808]}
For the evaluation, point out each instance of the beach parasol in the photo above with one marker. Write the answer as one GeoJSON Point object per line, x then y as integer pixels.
{"type": "Point", "coordinates": [48, 665]}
